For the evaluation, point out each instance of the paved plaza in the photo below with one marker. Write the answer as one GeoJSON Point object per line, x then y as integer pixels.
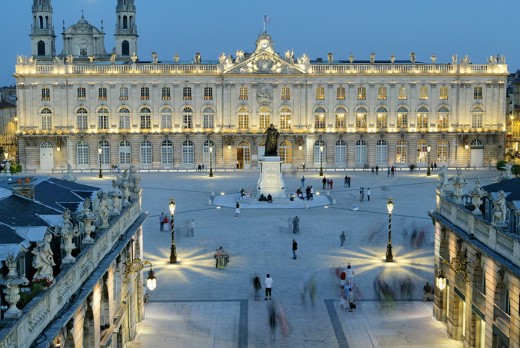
{"type": "Point", "coordinates": [198, 305]}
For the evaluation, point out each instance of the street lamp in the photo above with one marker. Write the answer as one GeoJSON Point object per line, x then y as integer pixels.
{"type": "Point", "coordinates": [99, 150]}
{"type": "Point", "coordinates": [441, 280]}
{"type": "Point", "coordinates": [173, 248]}
{"type": "Point", "coordinates": [428, 148]}
{"type": "Point", "coordinates": [321, 160]}
{"type": "Point", "coordinates": [390, 207]}
{"type": "Point", "coordinates": [136, 265]}
{"type": "Point", "coordinates": [211, 161]}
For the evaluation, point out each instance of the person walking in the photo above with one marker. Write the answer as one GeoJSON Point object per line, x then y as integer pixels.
{"type": "Point", "coordinates": [361, 194]}
{"type": "Point", "coordinates": [294, 249]}
{"type": "Point", "coordinates": [296, 225]}
{"type": "Point", "coordinates": [192, 228]}
{"type": "Point", "coordinates": [237, 209]}
{"type": "Point", "coordinates": [257, 286]}
{"type": "Point", "coordinates": [268, 284]}
{"type": "Point", "coordinates": [303, 181]}
{"type": "Point", "coordinates": [161, 221]}
{"type": "Point", "coordinates": [350, 300]}
{"type": "Point", "coordinates": [350, 276]}
{"type": "Point", "coordinates": [331, 183]}
{"type": "Point", "coordinates": [368, 194]}
{"type": "Point", "coordinates": [342, 238]}
{"type": "Point", "coordinates": [324, 182]}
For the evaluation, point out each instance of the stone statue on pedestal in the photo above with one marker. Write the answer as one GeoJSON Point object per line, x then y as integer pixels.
{"type": "Point", "coordinates": [271, 141]}
{"type": "Point", "coordinates": [43, 260]}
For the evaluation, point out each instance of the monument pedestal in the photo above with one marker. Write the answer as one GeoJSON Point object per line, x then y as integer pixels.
{"type": "Point", "coordinates": [270, 181]}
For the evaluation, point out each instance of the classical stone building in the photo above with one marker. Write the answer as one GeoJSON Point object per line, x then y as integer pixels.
{"type": "Point", "coordinates": [477, 260]}
{"type": "Point", "coordinates": [123, 109]}
{"type": "Point", "coordinates": [71, 262]}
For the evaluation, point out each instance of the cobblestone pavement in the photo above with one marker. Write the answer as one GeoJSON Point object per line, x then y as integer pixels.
{"type": "Point", "coordinates": [198, 305]}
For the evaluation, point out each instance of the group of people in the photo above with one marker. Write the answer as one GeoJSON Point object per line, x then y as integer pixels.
{"type": "Point", "coordinates": [327, 183]}
{"type": "Point", "coordinates": [362, 194]}
{"type": "Point", "coordinates": [221, 258]}
{"type": "Point", "coordinates": [200, 167]}
{"type": "Point", "coordinates": [346, 299]}
{"type": "Point", "coordinates": [257, 286]}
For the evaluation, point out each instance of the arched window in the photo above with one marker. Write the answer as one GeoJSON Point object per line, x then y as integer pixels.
{"type": "Point", "coordinates": [401, 151]}
{"type": "Point", "coordinates": [125, 22]}
{"type": "Point", "coordinates": [82, 151]}
{"type": "Point", "coordinates": [146, 152]}
{"type": "Point", "coordinates": [361, 93]}
{"type": "Point", "coordinates": [146, 118]}
{"type": "Point", "coordinates": [361, 151]}
{"type": "Point", "coordinates": [46, 115]}
{"type": "Point", "coordinates": [82, 118]}
{"type": "Point", "coordinates": [243, 118]}
{"type": "Point", "coordinates": [125, 152]}
{"type": "Point", "coordinates": [381, 117]}
{"type": "Point", "coordinates": [477, 144]}
{"type": "Point", "coordinates": [264, 118]}
{"type": "Point", "coordinates": [105, 152]}
{"type": "Point", "coordinates": [167, 152]}
{"type": "Point", "coordinates": [422, 117]}
{"type": "Point", "coordinates": [102, 118]}
{"type": "Point", "coordinates": [476, 116]}
{"type": "Point", "coordinates": [340, 153]}
{"type": "Point", "coordinates": [361, 117]}
{"type": "Point", "coordinates": [187, 118]}
{"type": "Point", "coordinates": [319, 152]}
{"type": "Point", "coordinates": [443, 114]}
{"type": "Point", "coordinates": [402, 117]}
{"type": "Point", "coordinates": [442, 150]}
{"type": "Point", "coordinates": [41, 48]}
{"type": "Point", "coordinates": [187, 153]}
{"type": "Point", "coordinates": [125, 48]}
{"type": "Point", "coordinates": [422, 151]}
{"type": "Point", "coordinates": [244, 153]}
{"type": "Point", "coordinates": [208, 115]}
{"type": "Point", "coordinates": [206, 153]}
{"type": "Point", "coordinates": [285, 151]}
{"type": "Point", "coordinates": [319, 117]}
{"type": "Point", "coordinates": [166, 118]}
{"type": "Point", "coordinates": [341, 118]}
{"type": "Point", "coordinates": [285, 118]}
{"type": "Point", "coordinates": [124, 118]}
{"type": "Point", "coordinates": [381, 151]}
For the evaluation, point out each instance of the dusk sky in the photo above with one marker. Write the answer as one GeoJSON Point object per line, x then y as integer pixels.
{"type": "Point", "coordinates": [477, 28]}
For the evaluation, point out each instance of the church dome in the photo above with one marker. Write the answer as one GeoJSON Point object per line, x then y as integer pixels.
{"type": "Point", "coordinates": [82, 40]}
{"type": "Point", "coordinates": [82, 27]}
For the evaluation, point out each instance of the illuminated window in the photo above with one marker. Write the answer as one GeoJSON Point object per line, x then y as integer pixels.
{"type": "Point", "coordinates": [243, 94]}
{"type": "Point", "coordinates": [102, 93]}
{"type": "Point", "coordinates": [82, 118]}
{"type": "Point", "coordinates": [320, 93]}
{"type": "Point", "coordinates": [145, 152]}
{"type": "Point", "coordinates": [422, 151]}
{"type": "Point", "coordinates": [381, 93]}
{"type": "Point", "coordinates": [422, 117]}
{"type": "Point", "coordinates": [443, 114]}
{"type": "Point", "coordinates": [82, 150]}
{"type": "Point", "coordinates": [187, 118]}
{"type": "Point", "coordinates": [46, 115]}
{"type": "Point", "coordinates": [186, 93]}
{"type": "Point", "coordinates": [145, 93]}
{"type": "Point", "coordinates": [361, 93]}
{"type": "Point", "coordinates": [125, 152]}
{"type": "Point", "coordinates": [402, 93]}
{"type": "Point", "coordinates": [123, 93]}
{"type": "Point", "coordinates": [124, 118]}
{"type": "Point", "coordinates": [361, 117]}
{"type": "Point", "coordinates": [244, 152]}
{"type": "Point", "coordinates": [146, 118]}
{"type": "Point", "coordinates": [442, 150]}
{"type": "Point", "coordinates": [401, 151]}
{"type": "Point", "coordinates": [208, 116]}
{"type": "Point", "coordinates": [382, 113]}
{"type": "Point", "coordinates": [476, 117]}
{"type": "Point", "coordinates": [82, 93]}
{"type": "Point", "coordinates": [341, 118]}
{"type": "Point", "coordinates": [285, 151]}
{"type": "Point", "coordinates": [208, 93]}
{"type": "Point", "coordinates": [264, 118]}
{"type": "Point", "coordinates": [243, 118]}
{"type": "Point", "coordinates": [423, 92]}
{"type": "Point", "coordinates": [46, 94]}
{"type": "Point", "coordinates": [443, 92]}
{"type": "Point", "coordinates": [477, 93]}
{"type": "Point", "coordinates": [102, 118]}
{"type": "Point", "coordinates": [340, 93]}
{"type": "Point", "coordinates": [320, 151]}
{"type": "Point", "coordinates": [105, 152]}
{"type": "Point", "coordinates": [166, 93]}
{"type": "Point", "coordinates": [286, 93]}
{"type": "Point", "coordinates": [166, 118]}
{"type": "Point", "coordinates": [285, 118]}
{"type": "Point", "coordinates": [402, 117]}
{"type": "Point", "coordinates": [319, 118]}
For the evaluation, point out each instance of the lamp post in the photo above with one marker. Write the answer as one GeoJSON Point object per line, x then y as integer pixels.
{"type": "Point", "coordinates": [428, 149]}
{"type": "Point", "coordinates": [211, 161]}
{"type": "Point", "coordinates": [173, 248]}
{"type": "Point", "coordinates": [99, 150]}
{"type": "Point", "coordinates": [390, 207]}
{"type": "Point", "coordinates": [321, 160]}
{"type": "Point", "coordinates": [441, 280]}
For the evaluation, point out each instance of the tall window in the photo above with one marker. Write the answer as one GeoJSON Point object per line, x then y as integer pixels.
{"type": "Point", "coordinates": [105, 152]}
{"type": "Point", "coordinates": [167, 152]}
{"type": "Point", "coordinates": [145, 93]}
{"type": "Point", "coordinates": [243, 94]}
{"type": "Point", "coordinates": [286, 93]}
{"type": "Point", "coordinates": [443, 114]}
{"type": "Point", "coordinates": [422, 117]}
{"type": "Point", "coordinates": [340, 153]}
{"type": "Point", "coordinates": [82, 118]}
{"type": "Point", "coordinates": [125, 152]}
{"type": "Point", "coordinates": [146, 118]}
{"type": "Point", "coordinates": [320, 151]}
{"type": "Point", "coordinates": [206, 153]}
{"type": "Point", "coordinates": [341, 118]}
{"type": "Point", "coordinates": [187, 118]}
{"type": "Point", "coordinates": [102, 93]}
{"type": "Point", "coordinates": [46, 115]}
{"type": "Point", "coordinates": [402, 93]}
{"type": "Point", "coordinates": [422, 151]}
{"type": "Point", "coordinates": [124, 118]}
{"type": "Point", "coordinates": [361, 93]}
{"type": "Point", "coordinates": [46, 94]}
{"type": "Point", "coordinates": [381, 151]}
{"type": "Point", "coordinates": [285, 118]}
{"type": "Point", "coordinates": [381, 93]}
{"type": "Point", "coordinates": [264, 118]}
{"type": "Point", "coordinates": [146, 152]}
{"type": "Point", "coordinates": [41, 48]}
{"type": "Point", "coordinates": [166, 118]}
{"type": "Point", "coordinates": [285, 151]}
{"type": "Point", "coordinates": [442, 150]}
{"type": "Point", "coordinates": [319, 118]}
{"type": "Point", "coordinates": [361, 117]}
{"type": "Point", "coordinates": [423, 92]}
{"type": "Point", "coordinates": [125, 48]}
{"type": "Point", "coordinates": [381, 117]}
{"type": "Point", "coordinates": [477, 93]}
{"type": "Point", "coordinates": [320, 93]}
{"type": "Point", "coordinates": [82, 153]}
{"type": "Point", "coordinates": [187, 153]}
{"type": "Point", "coordinates": [123, 93]}
{"type": "Point", "coordinates": [361, 151]}
{"type": "Point", "coordinates": [476, 117]}
{"type": "Point", "coordinates": [208, 93]}
{"type": "Point", "coordinates": [186, 93]}
{"type": "Point", "coordinates": [102, 118]}
{"type": "Point", "coordinates": [208, 118]}
{"type": "Point", "coordinates": [166, 93]}
{"type": "Point", "coordinates": [402, 117]}
{"type": "Point", "coordinates": [82, 93]}
{"type": "Point", "coordinates": [244, 148]}
{"type": "Point", "coordinates": [401, 151]}
{"type": "Point", "coordinates": [340, 93]}
{"type": "Point", "coordinates": [243, 118]}
{"type": "Point", "coordinates": [443, 93]}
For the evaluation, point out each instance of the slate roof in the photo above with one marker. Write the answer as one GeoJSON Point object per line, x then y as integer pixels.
{"type": "Point", "coordinates": [511, 185]}
{"type": "Point", "coordinates": [8, 235]}
{"type": "Point", "coordinates": [20, 211]}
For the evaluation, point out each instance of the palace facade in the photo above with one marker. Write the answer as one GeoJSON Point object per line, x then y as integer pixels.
{"type": "Point", "coordinates": [90, 108]}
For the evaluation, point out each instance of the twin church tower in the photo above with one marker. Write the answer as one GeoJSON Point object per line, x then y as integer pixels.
{"type": "Point", "coordinates": [83, 40]}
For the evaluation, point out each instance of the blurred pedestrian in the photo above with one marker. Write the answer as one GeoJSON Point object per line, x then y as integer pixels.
{"type": "Point", "coordinates": [268, 283]}
{"type": "Point", "coordinates": [368, 194]}
{"type": "Point", "coordinates": [257, 286]}
{"type": "Point", "coordinates": [237, 209]}
{"type": "Point", "coordinates": [295, 249]}
{"type": "Point", "coordinates": [296, 225]}
{"type": "Point", "coordinates": [342, 238]}
{"type": "Point", "coordinates": [161, 221]}
{"type": "Point", "coordinates": [350, 275]}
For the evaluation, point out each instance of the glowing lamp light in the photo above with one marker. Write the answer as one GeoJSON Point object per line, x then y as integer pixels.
{"type": "Point", "coordinates": [441, 281]}
{"type": "Point", "coordinates": [151, 281]}
{"type": "Point", "coordinates": [390, 205]}
{"type": "Point", "coordinates": [172, 206]}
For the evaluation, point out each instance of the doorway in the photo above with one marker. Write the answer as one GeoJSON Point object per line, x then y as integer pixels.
{"type": "Point", "coordinates": [46, 156]}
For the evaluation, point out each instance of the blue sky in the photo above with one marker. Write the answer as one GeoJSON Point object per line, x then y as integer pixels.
{"type": "Point", "coordinates": [478, 28]}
